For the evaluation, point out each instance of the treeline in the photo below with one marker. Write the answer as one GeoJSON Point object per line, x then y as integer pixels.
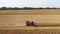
{"type": "Point", "coordinates": [16, 8]}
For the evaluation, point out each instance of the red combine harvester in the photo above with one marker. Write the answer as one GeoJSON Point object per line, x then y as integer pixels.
{"type": "Point", "coordinates": [28, 23]}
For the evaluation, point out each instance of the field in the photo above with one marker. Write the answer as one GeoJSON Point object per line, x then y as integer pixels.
{"type": "Point", "coordinates": [13, 21]}
{"type": "Point", "coordinates": [30, 30]}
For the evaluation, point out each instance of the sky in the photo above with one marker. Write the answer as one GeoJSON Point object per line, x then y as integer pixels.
{"type": "Point", "coordinates": [30, 3]}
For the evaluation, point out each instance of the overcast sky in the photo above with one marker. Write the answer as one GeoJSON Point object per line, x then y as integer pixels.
{"type": "Point", "coordinates": [29, 3]}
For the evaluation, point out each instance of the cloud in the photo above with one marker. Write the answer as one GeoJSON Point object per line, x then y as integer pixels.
{"type": "Point", "coordinates": [30, 3]}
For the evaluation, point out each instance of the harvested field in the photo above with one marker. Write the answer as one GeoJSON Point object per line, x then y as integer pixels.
{"type": "Point", "coordinates": [14, 21]}
{"type": "Point", "coordinates": [42, 17]}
